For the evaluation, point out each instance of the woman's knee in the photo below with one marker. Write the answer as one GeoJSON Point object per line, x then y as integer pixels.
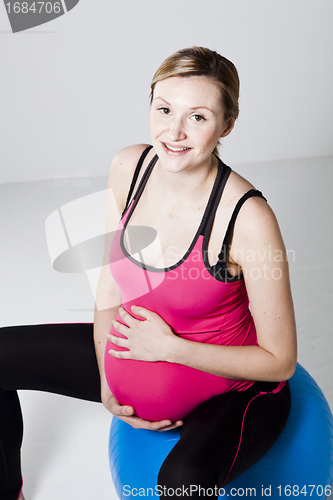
{"type": "Point", "coordinates": [177, 472]}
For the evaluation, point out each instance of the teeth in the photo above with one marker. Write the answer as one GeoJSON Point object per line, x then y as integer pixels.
{"type": "Point", "coordinates": [176, 149]}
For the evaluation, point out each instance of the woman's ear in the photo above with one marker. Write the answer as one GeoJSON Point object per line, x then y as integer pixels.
{"type": "Point", "coordinates": [229, 125]}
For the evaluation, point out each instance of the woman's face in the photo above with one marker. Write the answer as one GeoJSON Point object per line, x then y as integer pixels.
{"type": "Point", "coordinates": [186, 121]}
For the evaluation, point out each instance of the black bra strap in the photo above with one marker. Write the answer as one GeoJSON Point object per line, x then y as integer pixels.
{"type": "Point", "coordinates": [135, 177]}
{"type": "Point", "coordinates": [228, 234]}
{"type": "Point", "coordinates": [221, 179]}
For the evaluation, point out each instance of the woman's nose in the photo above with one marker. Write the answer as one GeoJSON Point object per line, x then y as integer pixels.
{"type": "Point", "coordinates": [176, 130]}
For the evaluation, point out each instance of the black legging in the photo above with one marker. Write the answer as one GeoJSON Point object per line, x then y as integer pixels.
{"type": "Point", "coordinates": [222, 438]}
{"type": "Point", "coordinates": [60, 358]}
{"type": "Point", "coordinates": [57, 358]}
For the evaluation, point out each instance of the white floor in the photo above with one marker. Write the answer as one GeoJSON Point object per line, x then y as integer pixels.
{"type": "Point", "coordinates": [65, 443]}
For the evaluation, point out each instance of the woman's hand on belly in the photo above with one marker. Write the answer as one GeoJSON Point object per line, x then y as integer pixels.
{"type": "Point", "coordinates": [145, 340]}
{"type": "Point", "coordinates": [126, 413]}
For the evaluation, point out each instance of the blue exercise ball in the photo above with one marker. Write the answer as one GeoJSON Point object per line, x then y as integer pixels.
{"type": "Point", "coordinates": [299, 464]}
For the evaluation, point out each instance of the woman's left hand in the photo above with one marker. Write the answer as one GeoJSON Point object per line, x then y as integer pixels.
{"type": "Point", "coordinates": [147, 340]}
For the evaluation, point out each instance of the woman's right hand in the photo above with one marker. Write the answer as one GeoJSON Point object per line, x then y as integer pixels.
{"type": "Point", "coordinates": [126, 413]}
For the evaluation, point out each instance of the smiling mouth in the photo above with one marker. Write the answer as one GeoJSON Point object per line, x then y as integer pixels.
{"type": "Point", "coordinates": [175, 150]}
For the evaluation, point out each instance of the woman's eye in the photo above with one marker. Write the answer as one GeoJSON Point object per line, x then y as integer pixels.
{"type": "Point", "coordinates": [198, 118]}
{"type": "Point", "coordinates": [164, 111]}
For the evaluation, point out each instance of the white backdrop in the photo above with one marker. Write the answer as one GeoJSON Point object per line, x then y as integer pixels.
{"type": "Point", "coordinates": [75, 90]}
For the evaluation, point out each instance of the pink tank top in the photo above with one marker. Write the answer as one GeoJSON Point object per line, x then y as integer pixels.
{"type": "Point", "coordinates": [201, 303]}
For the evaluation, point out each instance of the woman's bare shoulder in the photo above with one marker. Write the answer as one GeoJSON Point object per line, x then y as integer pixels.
{"type": "Point", "coordinates": [256, 216]}
{"type": "Point", "coordinates": [125, 161]}
{"type": "Point", "coordinates": [122, 170]}
{"type": "Point", "coordinates": [236, 187]}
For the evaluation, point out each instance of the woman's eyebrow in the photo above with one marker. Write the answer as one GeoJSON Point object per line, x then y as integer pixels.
{"type": "Point", "coordinates": [193, 109]}
{"type": "Point", "coordinates": [203, 107]}
{"type": "Point", "coordinates": [161, 98]}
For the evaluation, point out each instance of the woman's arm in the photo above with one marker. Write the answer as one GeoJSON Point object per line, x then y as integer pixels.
{"type": "Point", "coordinates": [257, 247]}
{"type": "Point", "coordinates": [108, 296]}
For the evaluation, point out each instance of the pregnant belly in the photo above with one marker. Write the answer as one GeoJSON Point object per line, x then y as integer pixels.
{"type": "Point", "coordinates": [161, 390]}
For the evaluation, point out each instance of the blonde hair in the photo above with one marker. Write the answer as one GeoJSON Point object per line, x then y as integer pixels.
{"type": "Point", "coordinates": [200, 61]}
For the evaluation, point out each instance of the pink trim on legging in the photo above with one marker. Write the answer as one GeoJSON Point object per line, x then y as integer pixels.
{"type": "Point", "coordinates": [280, 386]}
{"type": "Point", "coordinates": [277, 389]}
{"type": "Point", "coordinates": [241, 434]}
{"type": "Point", "coordinates": [20, 489]}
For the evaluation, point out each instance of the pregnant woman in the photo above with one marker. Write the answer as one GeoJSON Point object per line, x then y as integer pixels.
{"type": "Point", "coordinates": [175, 341]}
{"type": "Point", "coordinates": [185, 349]}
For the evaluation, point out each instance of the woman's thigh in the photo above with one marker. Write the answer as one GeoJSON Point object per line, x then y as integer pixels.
{"type": "Point", "coordinates": [224, 436]}
{"type": "Point", "coordinates": [57, 358]}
